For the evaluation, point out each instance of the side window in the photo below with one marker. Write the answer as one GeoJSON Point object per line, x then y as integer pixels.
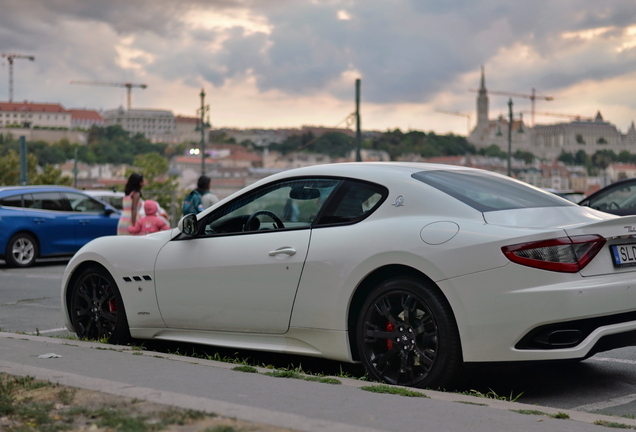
{"type": "Point", "coordinates": [82, 203]}
{"type": "Point", "coordinates": [284, 205]}
{"type": "Point", "coordinates": [618, 198]}
{"type": "Point", "coordinates": [355, 201]}
{"type": "Point", "coordinates": [48, 201]}
{"type": "Point", "coordinates": [11, 201]}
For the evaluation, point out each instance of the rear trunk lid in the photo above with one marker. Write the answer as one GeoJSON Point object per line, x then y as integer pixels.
{"type": "Point", "coordinates": [618, 254]}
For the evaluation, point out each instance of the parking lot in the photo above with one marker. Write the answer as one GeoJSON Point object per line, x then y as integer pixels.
{"type": "Point", "coordinates": [605, 383]}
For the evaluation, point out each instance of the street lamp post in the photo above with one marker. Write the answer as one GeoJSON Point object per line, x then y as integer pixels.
{"type": "Point", "coordinates": [204, 108]}
{"type": "Point", "coordinates": [510, 120]}
{"type": "Point", "coordinates": [358, 133]}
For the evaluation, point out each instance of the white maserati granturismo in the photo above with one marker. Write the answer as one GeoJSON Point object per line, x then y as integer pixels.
{"type": "Point", "coordinates": [411, 269]}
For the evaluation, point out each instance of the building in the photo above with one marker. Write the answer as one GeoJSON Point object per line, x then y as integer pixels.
{"type": "Point", "coordinates": [85, 119]}
{"type": "Point", "coordinates": [156, 125]}
{"type": "Point", "coordinates": [548, 141]}
{"type": "Point", "coordinates": [620, 171]}
{"type": "Point", "coordinates": [34, 115]}
{"type": "Point", "coordinates": [186, 128]}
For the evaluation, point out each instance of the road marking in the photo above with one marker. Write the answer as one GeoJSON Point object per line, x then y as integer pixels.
{"type": "Point", "coordinates": [614, 360]}
{"type": "Point", "coordinates": [39, 332]}
{"type": "Point", "coordinates": [598, 406]}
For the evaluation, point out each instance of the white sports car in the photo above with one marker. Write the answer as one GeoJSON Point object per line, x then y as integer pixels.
{"type": "Point", "coordinates": [411, 269]}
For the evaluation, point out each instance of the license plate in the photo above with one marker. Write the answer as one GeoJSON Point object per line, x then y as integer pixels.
{"type": "Point", "coordinates": [624, 255]}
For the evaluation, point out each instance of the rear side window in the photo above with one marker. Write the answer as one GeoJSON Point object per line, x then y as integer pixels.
{"type": "Point", "coordinates": [354, 202]}
{"type": "Point", "coordinates": [11, 201]}
{"type": "Point", "coordinates": [49, 201]}
{"type": "Point", "coordinates": [486, 192]}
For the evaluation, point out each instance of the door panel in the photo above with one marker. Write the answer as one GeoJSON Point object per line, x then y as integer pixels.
{"type": "Point", "coordinates": [242, 283]}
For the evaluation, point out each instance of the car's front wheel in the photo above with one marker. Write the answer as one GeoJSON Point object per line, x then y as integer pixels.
{"type": "Point", "coordinates": [407, 335]}
{"type": "Point", "coordinates": [22, 250]}
{"type": "Point", "coordinates": [96, 307]}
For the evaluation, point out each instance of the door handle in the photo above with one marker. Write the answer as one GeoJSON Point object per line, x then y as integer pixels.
{"type": "Point", "coordinates": [283, 251]}
{"type": "Point", "coordinates": [38, 220]}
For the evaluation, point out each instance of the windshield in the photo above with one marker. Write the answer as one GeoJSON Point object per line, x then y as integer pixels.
{"type": "Point", "coordinates": [486, 192]}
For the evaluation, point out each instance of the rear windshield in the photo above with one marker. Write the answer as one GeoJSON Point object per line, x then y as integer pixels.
{"type": "Point", "coordinates": [485, 192]}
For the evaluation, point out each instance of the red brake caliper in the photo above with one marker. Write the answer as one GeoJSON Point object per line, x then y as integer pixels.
{"type": "Point", "coordinates": [389, 342]}
{"type": "Point", "coordinates": [112, 305]}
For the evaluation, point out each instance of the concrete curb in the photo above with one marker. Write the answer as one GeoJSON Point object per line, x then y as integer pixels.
{"type": "Point", "coordinates": [248, 413]}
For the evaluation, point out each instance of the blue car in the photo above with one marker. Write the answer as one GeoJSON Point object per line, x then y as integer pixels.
{"type": "Point", "coordinates": [49, 221]}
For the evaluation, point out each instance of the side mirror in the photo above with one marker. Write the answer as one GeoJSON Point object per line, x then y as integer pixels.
{"type": "Point", "coordinates": [188, 224]}
{"type": "Point", "coordinates": [109, 211]}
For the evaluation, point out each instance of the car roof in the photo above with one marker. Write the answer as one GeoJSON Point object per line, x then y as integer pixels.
{"type": "Point", "coordinates": [370, 171]}
{"type": "Point", "coordinates": [103, 192]}
{"type": "Point", "coordinates": [36, 188]}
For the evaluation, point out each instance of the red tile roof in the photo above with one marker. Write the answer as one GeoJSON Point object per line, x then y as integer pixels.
{"type": "Point", "coordinates": [187, 120]}
{"type": "Point", "coordinates": [79, 114]}
{"type": "Point", "coordinates": [32, 107]}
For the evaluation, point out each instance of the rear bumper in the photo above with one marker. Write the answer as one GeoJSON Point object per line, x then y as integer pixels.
{"type": "Point", "coordinates": [515, 313]}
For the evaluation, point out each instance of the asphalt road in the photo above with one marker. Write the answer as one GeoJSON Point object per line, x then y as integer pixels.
{"type": "Point", "coordinates": [605, 383]}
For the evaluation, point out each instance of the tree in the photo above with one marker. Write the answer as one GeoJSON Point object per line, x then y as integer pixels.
{"type": "Point", "coordinates": [493, 150]}
{"type": "Point", "coordinates": [10, 171]}
{"type": "Point", "coordinates": [51, 176]}
{"type": "Point", "coordinates": [525, 156]}
{"type": "Point", "coordinates": [10, 168]}
{"type": "Point", "coordinates": [566, 158]}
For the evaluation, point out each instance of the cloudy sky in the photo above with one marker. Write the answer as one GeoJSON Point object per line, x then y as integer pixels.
{"type": "Point", "coordinates": [287, 63]}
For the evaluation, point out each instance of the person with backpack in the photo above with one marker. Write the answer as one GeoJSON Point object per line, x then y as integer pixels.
{"type": "Point", "coordinates": [197, 200]}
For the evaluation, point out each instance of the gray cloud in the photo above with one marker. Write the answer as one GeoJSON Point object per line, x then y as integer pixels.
{"type": "Point", "coordinates": [406, 51]}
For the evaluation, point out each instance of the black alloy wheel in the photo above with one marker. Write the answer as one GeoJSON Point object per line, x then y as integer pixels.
{"type": "Point", "coordinates": [407, 335]}
{"type": "Point", "coordinates": [96, 308]}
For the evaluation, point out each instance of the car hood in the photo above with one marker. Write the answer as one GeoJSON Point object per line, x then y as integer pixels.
{"type": "Point", "coordinates": [546, 217]}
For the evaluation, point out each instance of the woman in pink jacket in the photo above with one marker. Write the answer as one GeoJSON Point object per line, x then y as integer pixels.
{"type": "Point", "coordinates": [151, 222]}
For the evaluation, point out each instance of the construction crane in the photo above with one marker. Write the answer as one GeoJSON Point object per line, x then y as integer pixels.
{"type": "Point", "coordinates": [460, 115]}
{"type": "Point", "coordinates": [575, 117]}
{"type": "Point", "coordinates": [129, 86]}
{"type": "Point", "coordinates": [10, 58]}
{"type": "Point", "coordinates": [532, 96]}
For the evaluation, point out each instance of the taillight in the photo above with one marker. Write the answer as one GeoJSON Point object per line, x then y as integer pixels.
{"type": "Point", "coordinates": [564, 254]}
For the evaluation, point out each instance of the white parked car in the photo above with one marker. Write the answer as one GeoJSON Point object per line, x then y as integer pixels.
{"type": "Point", "coordinates": [411, 269]}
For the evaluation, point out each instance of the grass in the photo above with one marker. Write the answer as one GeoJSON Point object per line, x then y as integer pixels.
{"type": "Point", "coordinates": [612, 424]}
{"type": "Point", "coordinates": [492, 395]}
{"type": "Point", "coordinates": [221, 428]}
{"type": "Point", "coordinates": [530, 412]}
{"type": "Point", "coordinates": [383, 388]}
{"type": "Point", "coordinates": [29, 405]}
{"type": "Point", "coordinates": [559, 415]}
{"type": "Point", "coordinates": [472, 403]}
{"type": "Point", "coordinates": [245, 368]}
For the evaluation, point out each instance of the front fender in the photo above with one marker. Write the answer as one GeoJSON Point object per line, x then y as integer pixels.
{"type": "Point", "coordinates": [130, 260]}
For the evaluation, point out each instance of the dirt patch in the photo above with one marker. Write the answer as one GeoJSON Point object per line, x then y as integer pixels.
{"type": "Point", "coordinates": [27, 404]}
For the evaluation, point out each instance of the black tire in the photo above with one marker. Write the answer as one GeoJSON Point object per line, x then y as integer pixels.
{"type": "Point", "coordinates": [96, 307]}
{"type": "Point", "coordinates": [407, 335]}
{"type": "Point", "coordinates": [22, 250]}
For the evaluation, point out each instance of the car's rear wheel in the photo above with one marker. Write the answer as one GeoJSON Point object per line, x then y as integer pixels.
{"type": "Point", "coordinates": [96, 307]}
{"type": "Point", "coordinates": [22, 250]}
{"type": "Point", "coordinates": [407, 335]}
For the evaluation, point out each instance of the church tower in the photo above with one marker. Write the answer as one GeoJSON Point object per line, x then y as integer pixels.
{"type": "Point", "coordinates": [482, 104]}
